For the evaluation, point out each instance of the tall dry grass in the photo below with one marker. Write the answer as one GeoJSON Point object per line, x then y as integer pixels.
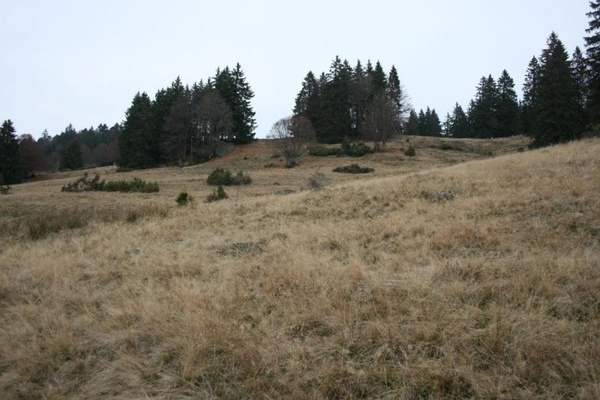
{"type": "Point", "coordinates": [479, 280]}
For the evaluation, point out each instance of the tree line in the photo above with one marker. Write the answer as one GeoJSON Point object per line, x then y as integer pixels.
{"type": "Point", "coordinates": [184, 124]}
{"type": "Point", "coordinates": [361, 102]}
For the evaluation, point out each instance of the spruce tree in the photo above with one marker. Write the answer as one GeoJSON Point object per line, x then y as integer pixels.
{"type": "Point", "coordinates": [379, 79]}
{"type": "Point", "coordinates": [71, 158]}
{"type": "Point", "coordinates": [335, 120]}
{"type": "Point", "coordinates": [233, 88]}
{"type": "Point", "coordinates": [164, 100]}
{"type": "Point", "coordinates": [243, 114]}
{"type": "Point", "coordinates": [507, 111]}
{"type": "Point", "coordinates": [530, 89]}
{"type": "Point", "coordinates": [308, 100]}
{"type": "Point", "coordinates": [580, 77]}
{"type": "Point", "coordinates": [556, 116]}
{"type": "Point", "coordinates": [412, 124]}
{"type": "Point", "coordinates": [483, 109]}
{"type": "Point", "coordinates": [10, 163]}
{"type": "Point", "coordinates": [136, 142]}
{"type": "Point", "coordinates": [395, 92]}
{"type": "Point", "coordinates": [592, 45]}
{"type": "Point", "coordinates": [458, 123]}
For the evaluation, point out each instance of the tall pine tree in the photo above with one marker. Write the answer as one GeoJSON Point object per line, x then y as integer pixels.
{"type": "Point", "coordinates": [10, 163]}
{"type": "Point", "coordinates": [137, 140]}
{"type": "Point", "coordinates": [556, 115]}
{"type": "Point", "coordinates": [530, 89]}
{"type": "Point", "coordinates": [507, 109]}
{"type": "Point", "coordinates": [592, 46]}
{"type": "Point", "coordinates": [483, 109]}
{"type": "Point", "coordinates": [580, 77]}
{"type": "Point", "coordinates": [233, 88]}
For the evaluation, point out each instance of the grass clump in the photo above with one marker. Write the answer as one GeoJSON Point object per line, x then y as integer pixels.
{"type": "Point", "coordinates": [223, 177]}
{"type": "Point", "coordinates": [218, 194]}
{"type": "Point", "coordinates": [353, 169]}
{"type": "Point", "coordinates": [85, 184]}
{"type": "Point", "coordinates": [317, 180]}
{"type": "Point", "coordinates": [39, 226]}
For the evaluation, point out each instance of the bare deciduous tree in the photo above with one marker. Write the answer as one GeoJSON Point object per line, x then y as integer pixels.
{"type": "Point", "coordinates": [381, 120]}
{"type": "Point", "coordinates": [292, 135]}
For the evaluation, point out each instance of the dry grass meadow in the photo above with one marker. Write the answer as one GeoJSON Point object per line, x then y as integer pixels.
{"type": "Point", "coordinates": [469, 271]}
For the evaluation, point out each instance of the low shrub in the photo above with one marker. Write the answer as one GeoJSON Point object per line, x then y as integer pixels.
{"type": "Point", "coordinates": [241, 179]}
{"type": "Point", "coordinates": [85, 184]}
{"type": "Point", "coordinates": [355, 149]}
{"type": "Point", "coordinates": [322, 151]}
{"type": "Point", "coordinates": [223, 177]}
{"type": "Point", "coordinates": [410, 152]}
{"type": "Point", "coordinates": [4, 189]}
{"type": "Point", "coordinates": [135, 185]}
{"type": "Point", "coordinates": [353, 169]}
{"type": "Point", "coordinates": [217, 194]}
{"type": "Point", "coordinates": [183, 199]}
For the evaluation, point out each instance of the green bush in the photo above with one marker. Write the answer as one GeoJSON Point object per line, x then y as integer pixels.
{"type": "Point", "coordinates": [135, 185]}
{"type": "Point", "coordinates": [220, 176]}
{"type": "Point", "coordinates": [224, 177]}
{"type": "Point", "coordinates": [322, 151]}
{"type": "Point", "coordinates": [217, 194]}
{"type": "Point", "coordinates": [183, 199]}
{"type": "Point", "coordinates": [355, 149]}
{"type": "Point", "coordinates": [353, 169]}
{"type": "Point", "coordinates": [241, 179]}
{"type": "Point", "coordinates": [410, 152]}
{"type": "Point", "coordinates": [85, 184]}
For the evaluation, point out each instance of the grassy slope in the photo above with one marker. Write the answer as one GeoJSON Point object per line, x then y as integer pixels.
{"type": "Point", "coordinates": [478, 280]}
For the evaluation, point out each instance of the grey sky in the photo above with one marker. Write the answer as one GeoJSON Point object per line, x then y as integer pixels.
{"type": "Point", "coordinates": [81, 62]}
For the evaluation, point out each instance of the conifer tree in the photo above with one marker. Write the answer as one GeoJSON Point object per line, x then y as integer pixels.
{"type": "Point", "coordinates": [396, 93]}
{"type": "Point", "coordinates": [580, 77]}
{"type": "Point", "coordinates": [71, 158]}
{"type": "Point", "coordinates": [308, 99]}
{"type": "Point", "coordinates": [483, 109]}
{"type": "Point", "coordinates": [556, 116]}
{"type": "Point", "coordinates": [379, 79]}
{"type": "Point", "coordinates": [10, 164]}
{"type": "Point", "coordinates": [137, 140]}
{"type": "Point", "coordinates": [164, 100]}
{"type": "Point", "coordinates": [507, 111]}
{"type": "Point", "coordinates": [530, 89]}
{"type": "Point", "coordinates": [592, 45]}
{"type": "Point", "coordinates": [233, 88]}
{"type": "Point", "coordinates": [412, 124]}
{"type": "Point", "coordinates": [458, 124]}
{"type": "Point", "coordinates": [335, 121]}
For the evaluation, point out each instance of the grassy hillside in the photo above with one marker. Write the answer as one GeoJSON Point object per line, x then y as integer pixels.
{"type": "Point", "coordinates": [461, 273]}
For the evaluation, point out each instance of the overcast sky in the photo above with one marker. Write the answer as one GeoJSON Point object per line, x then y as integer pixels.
{"type": "Point", "coordinates": [82, 61]}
